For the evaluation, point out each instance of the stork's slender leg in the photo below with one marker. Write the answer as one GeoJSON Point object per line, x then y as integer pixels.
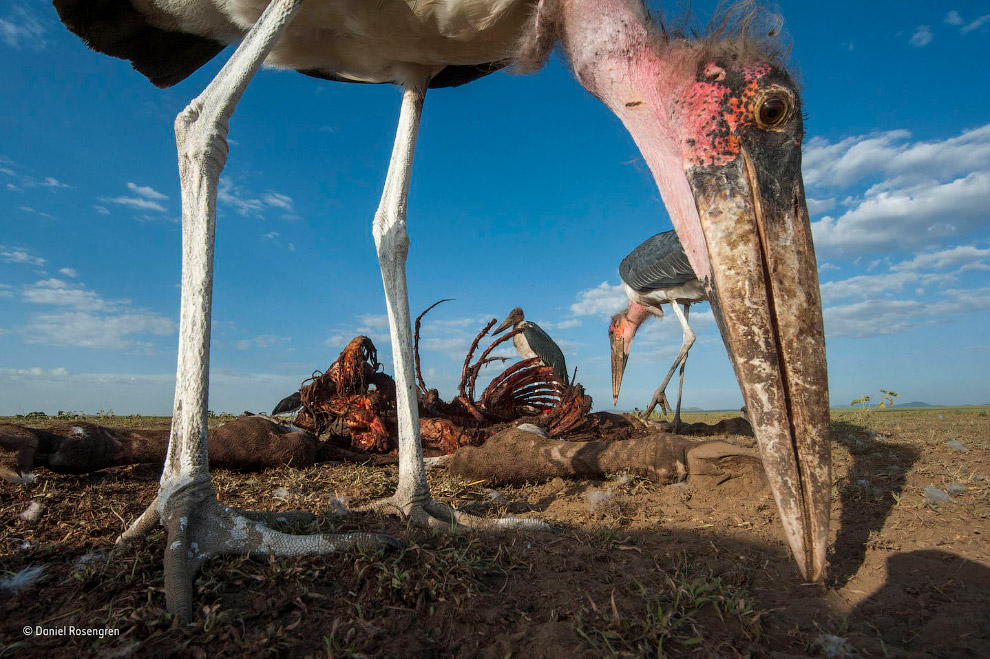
{"type": "Point", "coordinates": [659, 397]}
{"type": "Point", "coordinates": [412, 496]}
{"type": "Point", "coordinates": [198, 525]}
{"type": "Point", "coordinates": [680, 381]}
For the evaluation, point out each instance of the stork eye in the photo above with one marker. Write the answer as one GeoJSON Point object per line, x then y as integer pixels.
{"type": "Point", "coordinates": [772, 112]}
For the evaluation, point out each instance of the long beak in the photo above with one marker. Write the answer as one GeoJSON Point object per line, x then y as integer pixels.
{"type": "Point", "coordinates": [763, 288]}
{"type": "Point", "coordinates": [619, 359]}
{"type": "Point", "coordinates": [506, 324]}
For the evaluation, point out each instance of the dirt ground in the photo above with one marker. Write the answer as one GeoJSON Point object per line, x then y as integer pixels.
{"type": "Point", "coordinates": [634, 569]}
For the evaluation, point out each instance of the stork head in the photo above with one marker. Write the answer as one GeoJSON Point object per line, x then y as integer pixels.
{"type": "Point", "coordinates": [719, 124]}
{"type": "Point", "coordinates": [621, 332]}
{"type": "Point", "coordinates": [515, 316]}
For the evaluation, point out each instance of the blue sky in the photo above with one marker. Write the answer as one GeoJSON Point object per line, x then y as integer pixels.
{"type": "Point", "coordinates": [526, 191]}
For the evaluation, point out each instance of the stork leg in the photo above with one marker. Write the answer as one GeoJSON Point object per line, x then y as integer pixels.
{"type": "Point", "coordinates": [659, 396]}
{"type": "Point", "coordinates": [198, 525]}
{"type": "Point", "coordinates": [412, 498]}
{"type": "Point", "coordinates": [680, 380]}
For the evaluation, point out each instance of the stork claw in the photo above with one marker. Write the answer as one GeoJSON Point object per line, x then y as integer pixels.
{"type": "Point", "coordinates": [659, 398]}
{"type": "Point", "coordinates": [432, 514]}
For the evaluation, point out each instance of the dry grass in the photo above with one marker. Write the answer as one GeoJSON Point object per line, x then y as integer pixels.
{"type": "Point", "coordinates": [634, 570]}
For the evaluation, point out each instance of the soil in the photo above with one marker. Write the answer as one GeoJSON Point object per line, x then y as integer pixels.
{"type": "Point", "coordinates": [634, 568]}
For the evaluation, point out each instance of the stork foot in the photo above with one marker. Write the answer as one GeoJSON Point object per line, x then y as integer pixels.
{"type": "Point", "coordinates": [427, 513]}
{"type": "Point", "coordinates": [200, 527]}
{"type": "Point", "coordinates": [659, 399]}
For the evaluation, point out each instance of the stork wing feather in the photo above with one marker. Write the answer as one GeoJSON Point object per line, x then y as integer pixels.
{"type": "Point", "coordinates": [545, 348]}
{"type": "Point", "coordinates": [167, 57]}
{"type": "Point", "coordinates": [116, 28]}
{"type": "Point", "coordinates": [288, 404]}
{"type": "Point", "coordinates": [658, 262]}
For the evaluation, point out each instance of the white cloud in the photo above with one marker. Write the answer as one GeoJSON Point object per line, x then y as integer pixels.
{"type": "Point", "coordinates": [563, 324]}
{"type": "Point", "coordinates": [234, 196]}
{"type": "Point", "coordinates": [871, 286]}
{"type": "Point", "coordinates": [69, 272]}
{"type": "Point", "coordinates": [6, 290]}
{"type": "Point", "coordinates": [62, 293]}
{"type": "Point", "coordinates": [52, 182]}
{"type": "Point", "coordinates": [102, 210]}
{"type": "Point", "coordinates": [146, 191]}
{"type": "Point", "coordinates": [21, 30]}
{"type": "Point", "coordinates": [377, 322]}
{"type": "Point", "coordinates": [262, 341]}
{"type": "Point", "coordinates": [877, 317]}
{"type": "Point", "coordinates": [28, 209]}
{"type": "Point", "coordinates": [816, 206]}
{"type": "Point", "coordinates": [91, 330]}
{"type": "Point", "coordinates": [906, 218]}
{"type": "Point", "coordinates": [921, 37]}
{"type": "Point", "coordinates": [603, 300]}
{"type": "Point", "coordinates": [244, 203]}
{"type": "Point", "coordinates": [891, 154]}
{"type": "Point", "coordinates": [964, 257]}
{"type": "Point", "coordinates": [139, 203]}
{"type": "Point", "coordinates": [976, 24]}
{"type": "Point", "coordinates": [872, 318]}
{"type": "Point", "coordinates": [277, 200]}
{"type": "Point", "coordinates": [34, 372]}
{"type": "Point", "coordinates": [953, 18]}
{"type": "Point", "coordinates": [15, 255]}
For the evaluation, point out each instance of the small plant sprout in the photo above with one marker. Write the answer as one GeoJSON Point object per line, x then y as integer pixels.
{"type": "Point", "coordinates": [886, 400]}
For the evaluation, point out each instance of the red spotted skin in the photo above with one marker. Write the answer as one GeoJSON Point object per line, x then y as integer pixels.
{"type": "Point", "coordinates": [717, 108]}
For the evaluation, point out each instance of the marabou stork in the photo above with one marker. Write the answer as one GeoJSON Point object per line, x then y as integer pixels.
{"type": "Point", "coordinates": [717, 119]}
{"type": "Point", "coordinates": [532, 342]}
{"type": "Point", "coordinates": [290, 403]}
{"type": "Point", "coordinates": [656, 272]}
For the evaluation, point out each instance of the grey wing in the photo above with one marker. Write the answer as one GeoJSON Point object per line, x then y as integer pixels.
{"type": "Point", "coordinates": [545, 348]}
{"type": "Point", "coordinates": [658, 262]}
{"type": "Point", "coordinates": [288, 404]}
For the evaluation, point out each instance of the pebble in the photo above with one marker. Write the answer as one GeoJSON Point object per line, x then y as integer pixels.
{"type": "Point", "coordinates": [280, 493]}
{"type": "Point", "coordinates": [956, 488]}
{"type": "Point", "coordinates": [957, 446]}
{"type": "Point", "coordinates": [935, 496]}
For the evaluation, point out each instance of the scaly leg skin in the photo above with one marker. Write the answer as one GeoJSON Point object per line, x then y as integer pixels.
{"type": "Point", "coordinates": [199, 526]}
{"type": "Point", "coordinates": [412, 498]}
{"type": "Point", "coordinates": [659, 397]}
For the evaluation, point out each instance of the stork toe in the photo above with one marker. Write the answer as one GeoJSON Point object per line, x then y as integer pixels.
{"type": "Point", "coordinates": [199, 527]}
{"type": "Point", "coordinates": [432, 514]}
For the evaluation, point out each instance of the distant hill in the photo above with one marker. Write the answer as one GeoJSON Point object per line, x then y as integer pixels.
{"type": "Point", "coordinates": [916, 403]}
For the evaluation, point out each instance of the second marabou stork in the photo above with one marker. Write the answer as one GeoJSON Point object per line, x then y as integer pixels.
{"type": "Point", "coordinates": [717, 119]}
{"type": "Point", "coordinates": [532, 341]}
{"type": "Point", "coordinates": [656, 272]}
